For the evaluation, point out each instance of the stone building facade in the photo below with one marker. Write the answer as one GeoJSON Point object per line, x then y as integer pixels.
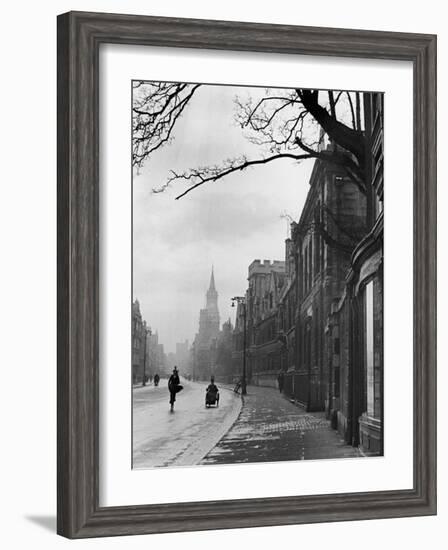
{"type": "Point", "coordinates": [224, 363]}
{"type": "Point", "coordinates": [137, 343]}
{"type": "Point", "coordinates": [317, 317]}
{"type": "Point", "coordinates": [140, 356]}
{"type": "Point", "coordinates": [287, 313]}
{"type": "Point", "coordinates": [238, 342]}
{"type": "Point", "coordinates": [148, 355]}
{"type": "Point", "coordinates": [264, 349]}
{"type": "Point", "coordinates": [157, 362]}
{"type": "Point", "coordinates": [331, 224]}
{"type": "Point", "coordinates": [355, 328]}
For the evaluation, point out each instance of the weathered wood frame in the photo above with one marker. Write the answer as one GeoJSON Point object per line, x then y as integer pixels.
{"type": "Point", "coordinates": [79, 37]}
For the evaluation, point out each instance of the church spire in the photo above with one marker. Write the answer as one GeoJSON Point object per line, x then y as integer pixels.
{"type": "Point", "coordinates": [212, 280]}
{"type": "Point", "coordinates": [212, 294]}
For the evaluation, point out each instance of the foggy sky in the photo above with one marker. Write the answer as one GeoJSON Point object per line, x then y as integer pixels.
{"type": "Point", "coordinates": [227, 224]}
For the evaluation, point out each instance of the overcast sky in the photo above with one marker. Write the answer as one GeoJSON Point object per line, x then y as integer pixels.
{"type": "Point", "coordinates": [227, 224]}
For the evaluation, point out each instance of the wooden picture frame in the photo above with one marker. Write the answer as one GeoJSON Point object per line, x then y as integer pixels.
{"type": "Point", "coordinates": [79, 38]}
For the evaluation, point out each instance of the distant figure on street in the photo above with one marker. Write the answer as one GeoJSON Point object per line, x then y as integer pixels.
{"type": "Point", "coordinates": [174, 386]}
{"type": "Point", "coordinates": [281, 381]}
{"type": "Point", "coordinates": [156, 379]}
{"type": "Point", "coordinates": [212, 393]}
{"type": "Point", "coordinates": [212, 387]}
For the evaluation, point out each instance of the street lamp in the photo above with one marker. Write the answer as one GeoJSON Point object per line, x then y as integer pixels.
{"type": "Point", "coordinates": [241, 300]}
{"type": "Point", "coordinates": [147, 331]}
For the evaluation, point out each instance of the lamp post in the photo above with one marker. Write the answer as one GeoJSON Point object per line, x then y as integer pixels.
{"type": "Point", "coordinates": [147, 331]}
{"type": "Point", "coordinates": [241, 300]}
{"type": "Point", "coordinates": [193, 354]}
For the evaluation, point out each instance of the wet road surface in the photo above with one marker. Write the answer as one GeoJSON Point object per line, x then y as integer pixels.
{"type": "Point", "coordinates": [185, 436]}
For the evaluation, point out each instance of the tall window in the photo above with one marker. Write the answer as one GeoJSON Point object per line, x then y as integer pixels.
{"type": "Point", "coordinates": [305, 270]}
{"type": "Point", "coordinates": [317, 334]}
{"type": "Point", "coordinates": [369, 349]}
{"type": "Point", "coordinates": [310, 263]}
{"type": "Point", "coordinates": [318, 239]}
{"type": "Point", "coordinates": [337, 382]}
{"type": "Point", "coordinates": [317, 253]}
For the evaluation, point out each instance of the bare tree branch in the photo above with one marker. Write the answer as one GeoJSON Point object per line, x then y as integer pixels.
{"type": "Point", "coordinates": [156, 109]}
{"type": "Point", "coordinates": [351, 109]}
{"type": "Point", "coordinates": [207, 174]}
{"type": "Point", "coordinates": [350, 139]}
{"type": "Point", "coordinates": [292, 124]}
{"type": "Point", "coordinates": [358, 111]}
{"type": "Point", "coordinates": [332, 104]}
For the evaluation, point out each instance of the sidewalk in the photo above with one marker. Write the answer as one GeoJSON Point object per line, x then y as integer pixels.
{"type": "Point", "coordinates": [270, 428]}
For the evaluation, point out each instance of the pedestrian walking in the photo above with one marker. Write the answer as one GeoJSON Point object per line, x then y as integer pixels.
{"type": "Point", "coordinates": [281, 381]}
{"type": "Point", "coordinates": [156, 379]}
{"type": "Point", "coordinates": [174, 387]}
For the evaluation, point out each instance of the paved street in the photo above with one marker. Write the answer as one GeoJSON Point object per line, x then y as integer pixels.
{"type": "Point", "coordinates": [270, 428]}
{"type": "Point", "coordinates": [182, 437]}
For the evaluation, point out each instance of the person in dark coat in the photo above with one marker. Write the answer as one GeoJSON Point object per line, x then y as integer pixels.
{"type": "Point", "coordinates": [281, 381]}
{"type": "Point", "coordinates": [173, 384]}
{"type": "Point", "coordinates": [212, 387]}
{"type": "Point", "coordinates": [212, 393]}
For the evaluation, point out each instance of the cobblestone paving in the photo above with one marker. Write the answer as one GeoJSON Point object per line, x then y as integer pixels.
{"type": "Point", "coordinates": [271, 428]}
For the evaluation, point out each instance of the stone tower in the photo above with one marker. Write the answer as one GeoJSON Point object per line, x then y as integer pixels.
{"type": "Point", "coordinates": [207, 336]}
{"type": "Point", "coordinates": [209, 316]}
{"type": "Point", "coordinates": [212, 306]}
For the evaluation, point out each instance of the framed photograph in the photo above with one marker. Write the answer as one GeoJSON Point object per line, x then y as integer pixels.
{"type": "Point", "coordinates": [246, 274]}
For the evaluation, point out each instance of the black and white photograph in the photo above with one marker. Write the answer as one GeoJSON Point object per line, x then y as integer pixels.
{"type": "Point", "coordinates": [257, 315]}
{"type": "Point", "coordinates": [219, 330]}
